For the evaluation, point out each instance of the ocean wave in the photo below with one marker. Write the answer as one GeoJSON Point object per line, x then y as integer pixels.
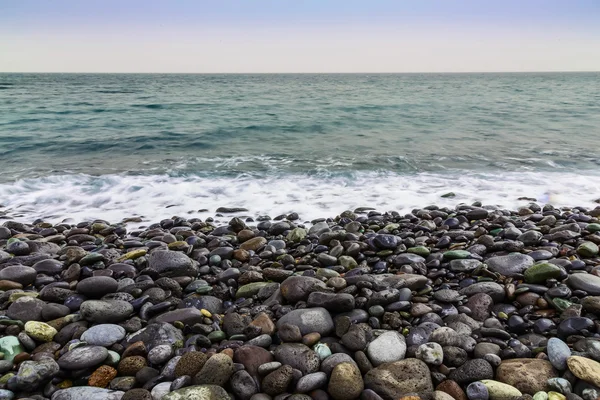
{"type": "Point", "coordinates": [154, 197]}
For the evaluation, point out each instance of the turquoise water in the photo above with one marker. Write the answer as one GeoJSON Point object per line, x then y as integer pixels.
{"type": "Point", "coordinates": [88, 145]}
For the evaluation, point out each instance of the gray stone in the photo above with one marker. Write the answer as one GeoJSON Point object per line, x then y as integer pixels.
{"type": "Point", "coordinates": [558, 353]}
{"type": "Point", "coordinates": [105, 311]}
{"type": "Point", "coordinates": [393, 380]}
{"type": "Point", "coordinates": [87, 393]}
{"type": "Point", "coordinates": [103, 335]}
{"type": "Point", "coordinates": [311, 382]}
{"type": "Point", "coordinates": [33, 374]}
{"type": "Point", "coordinates": [387, 347]}
{"type": "Point", "coordinates": [430, 353]}
{"type": "Point", "coordinates": [160, 354]}
{"type": "Point", "coordinates": [309, 320]}
{"type": "Point", "coordinates": [156, 334]}
{"type": "Point", "coordinates": [586, 282]}
{"type": "Point", "coordinates": [243, 385]}
{"type": "Point", "coordinates": [511, 264]}
{"type": "Point", "coordinates": [83, 357]}
{"type": "Point", "coordinates": [298, 356]}
{"type": "Point", "coordinates": [171, 264]}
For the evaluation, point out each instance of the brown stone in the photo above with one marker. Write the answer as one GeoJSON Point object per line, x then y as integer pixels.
{"type": "Point", "coordinates": [529, 375]}
{"type": "Point", "coordinates": [252, 357]}
{"type": "Point", "coordinates": [244, 235]}
{"type": "Point", "coordinates": [190, 363]}
{"type": "Point", "coordinates": [130, 366]}
{"type": "Point", "coordinates": [9, 285]}
{"type": "Point", "coordinates": [254, 244]}
{"type": "Point", "coordinates": [452, 388]}
{"type": "Point", "coordinates": [264, 322]}
{"type": "Point", "coordinates": [102, 376]}
{"type": "Point", "coordinates": [135, 349]}
{"type": "Point", "coordinates": [241, 255]}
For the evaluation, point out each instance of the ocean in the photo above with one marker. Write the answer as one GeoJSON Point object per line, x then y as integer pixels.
{"type": "Point", "coordinates": [113, 146]}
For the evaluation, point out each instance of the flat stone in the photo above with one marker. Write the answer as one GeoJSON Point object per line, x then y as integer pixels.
{"type": "Point", "coordinates": [529, 375]}
{"type": "Point", "coordinates": [309, 320]}
{"type": "Point", "coordinates": [83, 357]}
{"type": "Point", "coordinates": [510, 265]}
{"type": "Point", "coordinates": [585, 369]}
{"type": "Point", "coordinates": [103, 335]}
{"type": "Point", "coordinates": [87, 393]}
{"type": "Point", "coordinates": [198, 392]}
{"type": "Point", "coordinates": [586, 282]}
{"type": "Point", "coordinates": [105, 311]}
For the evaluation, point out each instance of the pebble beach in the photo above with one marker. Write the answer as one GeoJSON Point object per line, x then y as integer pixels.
{"type": "Point", "coordinates": [472, 302]}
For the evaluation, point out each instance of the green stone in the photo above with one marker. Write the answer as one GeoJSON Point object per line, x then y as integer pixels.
{"type": "Point", "coordinates": [593, 228]}
{"type": "Point", "coordinates": [556, 396]}
{"type": "Point", "coordinates": [10, 346]}
{"type": "Point", "coordinates": [322, 350]}
{"type": "Point", "coordinates": [132, 255]}
{"type": "Point", "coordinates": [250, 289]}
{"type": "Point", "coordinates": [239, 336]}
{"type": "Point", "coordinates": [419, 250]}
{"type": "Point", "coordinates": [391, 227]}
{"type": "Point", "coordinates": [502, 315]}
{"type": "Point", "coordinates": [541, 272]}
{"type": "Point", "coordinates": [40, 331]}
{"type": "Point", "coordinates": [112, 359]}
{"type": "Point", "coordinates": [297, 235]}
{"type": "Point", "coordinates": [217, 336]}
{"type": "Point", "coordinates": [5, 378]}
{"type": "Point", "coordinates": [540, 396]}
{"type": "Point", "coordinates": [456, 255]}
{"type": "Point", "coordinates": [327, 273]}
{"type": "Point", "coordinates": [14, 296]}
{"type": "Point", "coordinates": [448, 195]}
{"type": "Point", "coordinates": [561, 304]}
{"type": "Point", "coordinates": [348, 262]}
{"type": "Point", "coordinates": [385, 253]}
{"type": "Point", "coordinates": [179, 245]}
{"type": "Point", "coordinates": [91, 258]}
{"type": "Point", "coordinates": [588, 249]}
{"type": "Point", "coordinates": [204, 289]}
{"type": "Point", "coordinates": [495, 232]}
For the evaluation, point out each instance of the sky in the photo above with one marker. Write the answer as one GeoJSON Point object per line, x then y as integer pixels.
{"type": "Point", "coordinates": [262, 36]}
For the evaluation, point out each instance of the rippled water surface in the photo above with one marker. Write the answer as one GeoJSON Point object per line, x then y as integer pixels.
{"type": "Point", "coordinates": [117, 145]}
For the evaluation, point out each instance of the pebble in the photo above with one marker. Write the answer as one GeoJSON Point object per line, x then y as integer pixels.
{"type": "Point", "coordinates": [387, 347]}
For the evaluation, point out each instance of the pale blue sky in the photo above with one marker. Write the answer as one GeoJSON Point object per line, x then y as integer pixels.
{"type": "Point", "coordinates": [299, 36]}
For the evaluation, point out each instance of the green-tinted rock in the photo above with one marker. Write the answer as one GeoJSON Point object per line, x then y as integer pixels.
{"type": "Point", "coordinates": [556, 396]}
{"type": "Point", "coordinates": [540, 396]}
{"type": "Point", "coordinates": [561, 304]}
{"type": "Point", "coordinates": [419, 250]}
{"type": "Point", "coordinates": [540, 272]}
{"type": "Point", "coordinates": [322, 350]}
{"type": "Point", "coordinates": [347, 262]}
{"type": "Point", "coordinates": [448, 195]}
{"type": "Point", "coordinates": [5, 378]}
{"type": "Point", "coordinates": [391, 227]}
{"type": "Point", "coordinates": [40, 331]}
{"type": "Point", "coordinates": [204, 289]}
{"type": "Point", "coordinates": [91, 258]}
{"type": "Point", "coordinates": [593, 228]}
{"type": "Point", "coordinates": [14, 296]}
{"type": "Point", "coordinates": [250, 289]}
{"type": "Point", "coordinates": [178, 245]}
{"type": "Point", "coordinates": [132, 255]}
{"type": "Point", "coordinates": [297, 235]}
{"type": "Point", "coordinates": [217, 336]}
{"type": "Point", "coordinates": [456, 255]}
{"type": "Point", "coordinates": [327, 273]}
{"type": "Point", "coordinates": [500, 391]}
{"type": "Point", "coordinates": [588, 249]}
{"type": "Point", "coordinates": [10, 346]}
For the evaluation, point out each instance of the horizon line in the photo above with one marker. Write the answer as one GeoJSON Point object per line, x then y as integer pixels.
{"type": "Point", "coordinates": [302, 73]}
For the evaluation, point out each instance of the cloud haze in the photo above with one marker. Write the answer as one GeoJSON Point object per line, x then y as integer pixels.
{"type": "Point", "coordinates": [299, 36]}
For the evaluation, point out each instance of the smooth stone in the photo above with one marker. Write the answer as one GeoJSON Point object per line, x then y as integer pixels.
{"type": "Point", "coordinates": [501, 391]}
{"type": "Point", "coordinates": [309, 320]}
{"type": "Point", "coordinates": [311, 382]}
{"type": "Point", "coordinates": [558, 353]}
{"type": "Point", "coordinates": [171, 263]}
{"type": "Point", "coordinates": [10, 346]}
{"type": "Point", "coordinates": [477, 391]}
{"type": "Point", "coordinates": [588, 249]}
{"type": "Point", "coordinates": [346, 382]}
{"type": "Point", "coordinates": [541, 272]}
{"type": "Point", "coordinates": [40, 331]}
{"type": "Point", "coordinates": [87, 393]}
{"type": "Point", "coordinates": [243, 385]}
{"type": "Point", "coordinates": [18, 273]}
{"type": "Point", "coordinates": [97, 286]}
{"type": "Point", "coordinates": [585, 369]}
{"type": "Point", "coordinates": [105, 311]}
{"type": "Point", "coordinates": [83, 357]}
{"type": "Point", "coordinates": [298, 288]}
{"type": "Point", "coordinates": [510, 265]}
{"type": "Point", "coordinates": [104, 335]}
{"type": "Point", "coordinates": [586, 282]}
{"type": "Point", "coordinates": [387, 347]}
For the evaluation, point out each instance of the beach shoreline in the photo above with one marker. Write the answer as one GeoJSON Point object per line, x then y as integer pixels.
{"type": "Point", "coordinates": [438, 303]}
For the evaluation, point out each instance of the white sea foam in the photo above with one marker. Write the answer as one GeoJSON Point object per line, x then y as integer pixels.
{"type": "Point", "coordinates": [114, 197]}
